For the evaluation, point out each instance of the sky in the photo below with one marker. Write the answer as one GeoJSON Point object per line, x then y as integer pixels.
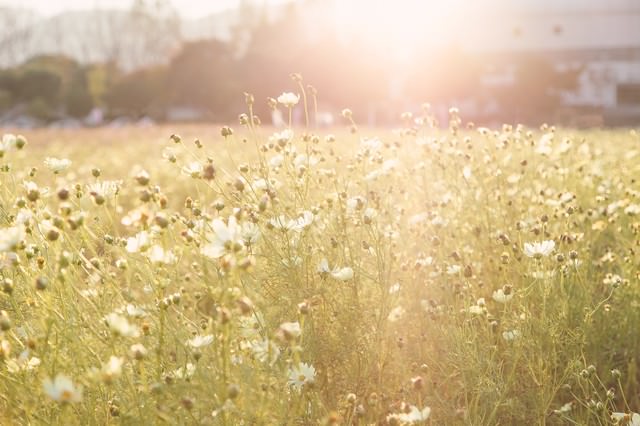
{"type": "Point", "coordinates": [188, 8]}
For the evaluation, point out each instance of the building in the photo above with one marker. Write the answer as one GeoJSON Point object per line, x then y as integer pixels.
{"type": "Point", "coordinates": [601, 38]}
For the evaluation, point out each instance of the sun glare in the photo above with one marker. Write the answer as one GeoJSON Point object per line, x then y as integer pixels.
{"type": "Point", "coordinates": [401, 26]}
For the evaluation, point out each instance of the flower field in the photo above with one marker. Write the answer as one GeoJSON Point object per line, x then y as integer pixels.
{"type": "Point", "coordinates": [442, 275]}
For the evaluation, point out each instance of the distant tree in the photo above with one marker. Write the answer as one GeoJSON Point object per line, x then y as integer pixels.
{"type": "Point", "coordinates": [41, 85]}
{"type": "Point", "coordinates": [536, 92]}
{"type": "Point", "coordinates": [41, 109]}
{"type": "Point", "coordinates": [204, 75]}
{"type": "Point", "coordinates": [138, 93]}
{"type": "Point", "coordinates": [6, 100]}
{"type": "Point", "coordinates": [78, 99]}
{"type": "Point", "coordinates": [9, 83]}
{"type": "Point", "coordinates": [271, 55]}
{"type": "Point", "coordinates": [100, 77]}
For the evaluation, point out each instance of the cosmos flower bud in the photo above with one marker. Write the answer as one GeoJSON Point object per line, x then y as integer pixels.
{"type": "Point", "coordinates": [233, 391]}
{"type": "Point", "coordinates": [7, 285]}
{"type": "Point", "coordinates": [5, 322]}
{"type": "Point", "coordinates": [245, 305]}
{"type": "Point", "coordinates": [417, 382]}
{"type": "Point", "coordinates": [468, 271]}
{"type": "Point", "coordinates": [187, 403]}
{"type": "Point", "coordinates": [304, 308]}
{"type": "Point", "coordinates": [42, 283]}
{"type": "Point", "coordinates": [142, 178]}
{"type": "Point", "coordinates": [161, 220]}
{"type": "Point", "coordinates": [209, 172]}
{"type": "Point", "coordinates": [63, 194]}
{"type": "Point", "coordinates": [53, 234]}
{"type": "Point", "coordinates": [226, 131]}
{"type": "Point", "coordinates": [21, 141]}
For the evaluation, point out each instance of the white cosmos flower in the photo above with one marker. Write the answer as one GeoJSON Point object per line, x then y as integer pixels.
{"type": "Point", "coordinates": [304, 221]}
{"type": "Point", "coordinates": [479, 308]}
{"type": "Point", "coordinates": [250, 326]}
{"type": "Point", "coordinates": [112, 369]}
{"type": "Point", "coordinates": [565, 408]}
{"type": "Point", "coordinates": [8, 142]}
{"type": "Point", "coordinates": [62, 389]}
{"type": "Point", "coordinates": [511, 335]}
{"type": "Point", "coordinates": [185, 372]}
{"type": "Point", "coordinates": [370, 213]}
{"type": "Point", "coordinates": [222, 238]}
{"type": "Point", "coordinates": [342, 274]}
{"type": "Point", "coordinates": [453, 269]}
{"type": "Point", "coordinates": [626, 419]}
{"type": "Point", "coordinates": [290, 329]}
{"type": "Point", "coordinates": [11, 237]}
{"type": "Point", "coordinates": [200, 341]}
{"type": "Point", "coordinates": [57, 165]}
{"type": "Point", "coordinates": [396, 313]}
{"type": "Point", "coordinates": [135, 311]}
{"type": "Point", "coordinates": [500, 296]}
{"type": "Point", "coordinates": [538, 250]}
{"type": "Point", "coordinates": [104, 189]}
{"type": "Point", "coordinates": [281, 223]}
{"type": "Point", "coordinates": [276, 161]}
{"type": "Point", "coordinates": [139, 242]}
{"type": "Point", "coordinates": [288, 99]}
{"type": "Point", "coordinates": [30, 187]}
{"type": "Point", "coordinates": [138, 351]}
{"type": "Point", "coordinates": [390, 165]}
{"type": "Point", "coordinates": [23, 363]}
{"type": "Point", "coordinates": [297, 225]}
{"type": "Point", "coordinates": [466, 172]}
{"type": "Point", "coordinates": [159, 255]}
{"type": "Point", "coordinates": [414, 416]}
{"type": "Point", "coordinates": [250, 233]}
{"type": "Point", "coordinates": [23, 216]}
{"type": "Point", "coordinates": [543, 146]}
{"type": "Point", "coordinates": [323, 267]}
{"type": "Point", "coordinates": [265, 351]}
{"type": "Point", "coordinates": [193, 169]}
{"type": "Point", "coordinates": [282, 137]}
{"type": "Point", "coordinates": [120, 326]}
{"type": "Point", "coordinates": [301, 375]}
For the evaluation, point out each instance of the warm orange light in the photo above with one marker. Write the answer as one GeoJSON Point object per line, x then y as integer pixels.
{"type": "Point", "coordinates": [400, 26]}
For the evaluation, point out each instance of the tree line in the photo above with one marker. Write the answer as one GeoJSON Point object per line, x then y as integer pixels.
{"type": "Point", "coordinates": [210, 76]}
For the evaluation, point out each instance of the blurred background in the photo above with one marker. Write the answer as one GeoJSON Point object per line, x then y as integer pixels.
{"type": "Point", "coordinates": [72, 63]}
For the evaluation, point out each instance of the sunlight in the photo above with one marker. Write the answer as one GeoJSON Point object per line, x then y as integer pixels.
{"type": "Point", "coordinates": [402, 26]}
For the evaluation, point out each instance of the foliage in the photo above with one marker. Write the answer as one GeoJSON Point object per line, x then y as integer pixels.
{"type": "Point", "coordinates": [418, 276]}
{"type": "Point", "coordinates": [137, 93]}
